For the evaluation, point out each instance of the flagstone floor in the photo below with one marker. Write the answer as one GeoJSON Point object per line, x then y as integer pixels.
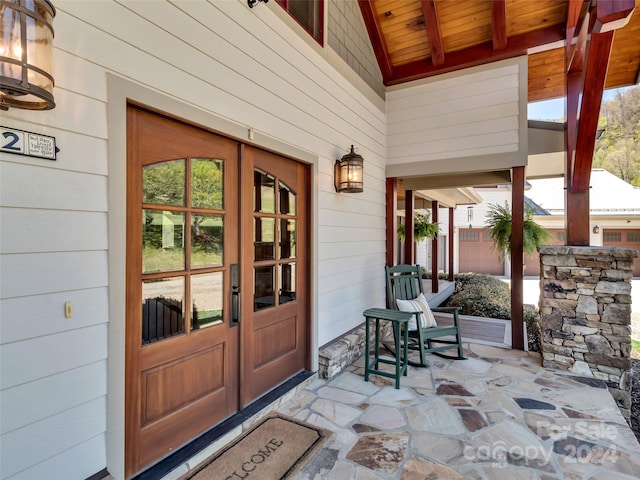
{"type": "Point", "coordinates": [498, 415]}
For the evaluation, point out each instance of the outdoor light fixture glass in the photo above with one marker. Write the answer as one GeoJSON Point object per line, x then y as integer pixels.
{"type": "Point", "coordinates": [26, 54]}
{"type": "Point", "coordinates": [596, 229]}
{"type": "Point", "coordinates": [348, 173]}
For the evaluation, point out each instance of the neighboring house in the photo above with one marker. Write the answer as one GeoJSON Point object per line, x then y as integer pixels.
{"type": "Point", "coordinates": [615, 220]}
{"type": "Point", "coordinates": [137, 315]}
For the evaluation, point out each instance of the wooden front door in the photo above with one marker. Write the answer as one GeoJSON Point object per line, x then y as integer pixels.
{"type": "Point", "coordinates": [274, 274]}
{"type": "Point", "coordinates": [206, 330]}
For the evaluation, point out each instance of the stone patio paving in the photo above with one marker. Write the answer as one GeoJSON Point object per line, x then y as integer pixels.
{"type": "Point", "coordinates": [498, 415]}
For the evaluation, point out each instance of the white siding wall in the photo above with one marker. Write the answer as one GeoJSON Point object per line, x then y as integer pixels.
{"type": "Point", "coordinates": [242, 65]}
{"type": "Point", "coordinates": [423, 258]}
{"type": "Point", "coordinates": [489, 196]}
{"type": "Point", "coordinates": [475, 112]}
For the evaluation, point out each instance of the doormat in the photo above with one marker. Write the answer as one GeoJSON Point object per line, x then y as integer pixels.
{"type": "Point", "coordinates": [275, 448]}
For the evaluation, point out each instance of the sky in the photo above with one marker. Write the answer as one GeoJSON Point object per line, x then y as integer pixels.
{"type": "Point", "coordinates": [554, 109]}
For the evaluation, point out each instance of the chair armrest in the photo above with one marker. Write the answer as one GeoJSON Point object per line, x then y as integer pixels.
{"type": "Point", "coordinates": [445, 309]}
{"type": "Point", "coordinates": [453, 310]}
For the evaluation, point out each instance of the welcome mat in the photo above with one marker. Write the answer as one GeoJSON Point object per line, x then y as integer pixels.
{"type": "Point", "coordinates": [273, 449]}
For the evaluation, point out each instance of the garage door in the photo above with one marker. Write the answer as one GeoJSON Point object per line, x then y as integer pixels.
{"type": "Point", "coordinates": [625, 239]}
{"type": "Point", "coordinates": [476, 253]}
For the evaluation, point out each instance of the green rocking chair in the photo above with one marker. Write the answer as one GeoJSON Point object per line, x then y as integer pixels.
{"type": "Point", "coordinates": [406, 292]}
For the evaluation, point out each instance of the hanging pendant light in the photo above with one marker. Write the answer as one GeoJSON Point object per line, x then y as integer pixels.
{"type": "Point", "coordinates": [26, 54]}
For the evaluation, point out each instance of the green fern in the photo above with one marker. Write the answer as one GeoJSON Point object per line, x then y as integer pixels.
{"type": "Point", "coordinates": [499, 222]}
{"type": "Point", "coordinates": [422, 228]}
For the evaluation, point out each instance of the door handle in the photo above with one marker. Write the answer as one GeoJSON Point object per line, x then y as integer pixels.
{"type": "Point", "coordinates": [235, 296]}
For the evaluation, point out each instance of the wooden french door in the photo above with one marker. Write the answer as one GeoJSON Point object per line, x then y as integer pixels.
{"type": "Point", "coordinates": [207, 329]}
{"type": "Point", "coordinates": [275, 271]}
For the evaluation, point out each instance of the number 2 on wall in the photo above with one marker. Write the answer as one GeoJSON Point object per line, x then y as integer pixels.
{"type": "Point", "coordinates": [12, 140]}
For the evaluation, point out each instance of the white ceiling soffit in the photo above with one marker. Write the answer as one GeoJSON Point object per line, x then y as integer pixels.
{"type": "Point", "coordinates": [458, 180]}
{"type": "Point", "coordinates": [452, 197]}
{"type": "Point", "coordinates": [546, 150]}
{"type": "Point", "coordinates": [545, 165]}
{"type": "Point", "coordinates": [446, 198]}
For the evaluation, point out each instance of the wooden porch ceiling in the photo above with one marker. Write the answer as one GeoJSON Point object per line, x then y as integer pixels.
{"type": "Point", "coordinates": [415, 39]}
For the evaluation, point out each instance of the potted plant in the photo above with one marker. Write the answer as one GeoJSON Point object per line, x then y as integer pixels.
{"type": "Point", "coordinates": [422, 227]}
{"type": "Point", "coordinates": [499, 224]}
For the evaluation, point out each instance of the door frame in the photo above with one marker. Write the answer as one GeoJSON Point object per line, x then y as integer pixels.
{"type": "Point", "coordinates": [120, 92]}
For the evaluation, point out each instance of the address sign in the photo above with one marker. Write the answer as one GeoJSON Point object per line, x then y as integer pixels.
{"type": "Point", "coordinates": [27, 143]}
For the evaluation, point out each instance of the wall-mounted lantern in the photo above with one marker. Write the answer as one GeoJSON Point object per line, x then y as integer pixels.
{"type": "Point", "coordinates": [26, 54]}
{"type": "Point", "coordinates": [596, 229]}
{"type": "Point", "coordinates": [348, 173]}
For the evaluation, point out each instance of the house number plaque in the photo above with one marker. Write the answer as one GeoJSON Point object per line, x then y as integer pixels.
{"type": "Point", "coordinates": [27, 143]}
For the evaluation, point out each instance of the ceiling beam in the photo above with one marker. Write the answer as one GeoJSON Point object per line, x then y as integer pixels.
{"type": "Point", "coordinates": [478, 55]}
{"type": "Point", "coordinates": [499, 24]}
{"type": "Point", "coordinates": [376, 37]}
{"type": "Point", "coordinates": [613, 15]}
{"type": "Point", "coordinates": [432, 24]}
{"type": "Point", "coordinates": [471, 179]}
{"type": "Point", "coordinates": [574, 9]}
{"type": "Point", "coordinates": [577, 22]}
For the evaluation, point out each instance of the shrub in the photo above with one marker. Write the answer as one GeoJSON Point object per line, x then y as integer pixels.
{"type": "Point", "coordinates": [488, 296]}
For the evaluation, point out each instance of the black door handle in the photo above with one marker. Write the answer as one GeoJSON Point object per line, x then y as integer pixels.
{"type": "Point", "coordinates": [235, 295]}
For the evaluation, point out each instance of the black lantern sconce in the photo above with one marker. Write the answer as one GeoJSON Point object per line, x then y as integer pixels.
{"type": "Point", "coordinates": [348, 173]}
{"type": "Point", "coordinates": [251, 3]}
{"type": "Point", "coordinates": [26, 54]}
{"type": "Point", "coordinates": [596, 229]}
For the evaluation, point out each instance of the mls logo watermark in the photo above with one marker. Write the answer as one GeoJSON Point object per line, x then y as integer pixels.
{"type": "Point", "coordinates": [582, 442]}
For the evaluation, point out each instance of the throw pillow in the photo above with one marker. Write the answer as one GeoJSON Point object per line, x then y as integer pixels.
{"type": "Point", "coordinates": [419, 304]}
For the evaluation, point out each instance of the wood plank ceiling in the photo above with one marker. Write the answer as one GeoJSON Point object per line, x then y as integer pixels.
{"type": "Point", "coordinates": [415, 39]}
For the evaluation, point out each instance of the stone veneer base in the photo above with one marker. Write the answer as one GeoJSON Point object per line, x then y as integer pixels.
{"type": "Point", "coordinates": [344, 350]}
{"type": "Point", "coordinates": [585, 314]}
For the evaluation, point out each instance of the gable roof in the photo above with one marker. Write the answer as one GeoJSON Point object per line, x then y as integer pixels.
{"type": "Point", "coordinates": [609, 195]}
{"type": "Point", "coordinates": [421, 38]}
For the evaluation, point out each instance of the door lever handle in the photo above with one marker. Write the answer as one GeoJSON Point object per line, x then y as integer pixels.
{"type": "Point", "coordinates": [235, 296]}
{"type": "Point", "coordinates": [235, 305]}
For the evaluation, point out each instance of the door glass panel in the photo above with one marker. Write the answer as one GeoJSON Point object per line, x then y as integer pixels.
{"type": "Point", "coordinates": [287, 200]}
{"type": "Point", "coordinates": [206, 300]}
{"type": "Point", "coordinates": [287, 276]}
{"type": "Point", "coordinates": [162, 311]}
{"type": "Point", "coordinates": [264, 295]}
{"type": "Point", "coordinates": [264, 237]}
{"type": "Point", "coordinates": [162, 241]}
{"type": "Point", "coordinates": [287, 238]}
{"type": "Point", "coordinates": [206, 183]}
{"type": "Point", "coordinates": [164, 183]}
{"type": "Point", "coordinates": [264, 192]}
{"type": "Point", "coordinates": [206, 240]}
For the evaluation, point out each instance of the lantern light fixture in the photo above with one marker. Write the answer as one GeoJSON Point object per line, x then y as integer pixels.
{"type": "Point", "coordinates": [596, 229]}
{"type": "Point", "coordinates": [348, 173]}
{"type": "Point", "coordinates": [26, 54]}
{"type": "Point", "coordinates": [251, 3]}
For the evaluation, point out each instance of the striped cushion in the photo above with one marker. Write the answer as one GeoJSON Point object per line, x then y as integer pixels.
{"type": "Point", "coordinates": [419, 304]}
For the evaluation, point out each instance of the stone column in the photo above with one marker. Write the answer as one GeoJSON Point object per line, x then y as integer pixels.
{"type": "Point", "coordinates": [585, 314]}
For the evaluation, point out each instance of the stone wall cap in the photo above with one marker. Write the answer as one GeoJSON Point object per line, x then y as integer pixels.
{"type": "Point", "coordinates": [616, 252]}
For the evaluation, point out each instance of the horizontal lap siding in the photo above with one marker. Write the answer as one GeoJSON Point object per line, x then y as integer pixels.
{"type": "Point", "coordinates": [45, 441]}
{"type": "Point", "coordinates": [242, 65]}
{"type": "Point", "coordinates": [469, 114]}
